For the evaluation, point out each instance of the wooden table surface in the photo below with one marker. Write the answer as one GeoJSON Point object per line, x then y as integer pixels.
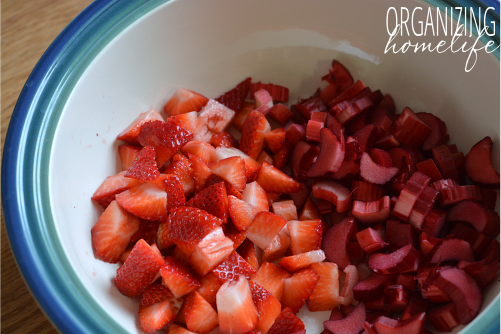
{"type": "Point", "coordinates": [28, 28]}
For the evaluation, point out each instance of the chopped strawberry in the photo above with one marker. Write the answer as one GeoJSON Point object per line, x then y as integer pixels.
{"type": "Point", "coordinates": [128, 154]}
{"type": "Point", "coordinates": [175, 329]}
{"type": "Point", "coordinates": [285, 209]}
{"type": "Point", "coordinates": [139, 270]}
{"type": "Point", "coordinates": [163, 239]}
{"type": "Point", "coordinates": [144, 167]}
{"type": "Point", "coordinates": [236, 310]}
{"type": "Point", "coordinates": [129, 135]}
{"type": "Point", "coordinates": [112, 232]}
{"type": "Point", "coordinates": [271, 277]}
{"type": "Point", "coordinates": [232, 170]}
{"type": "Point", "coordinates": [202, 132]}
{"type": "Point", "coordinates": [166, 138]}
{"type": "Point", "coordinates": [254, 128]}
{"type": "Point", "coordinates": [178, 277]}
{"type": "Point", "coordinates": [156, 316]}
{"type": "Point", "coordinates": [263, 156]}
{"type": "Point", "coordinates": [210, 284]}
{"type": "Point", "coordinates": [256, 196]}
{"type": "Point", "coordinates": [305, 235]}
{"type": "Point", "coordinates": [230, 188]}
{"type": "Point", "coordinates": [248, 252]}
{"type": "Point", "coordinates": [183, 171]}
{"type": "Point", "coordinates": [286, 323]}
{"type": "Point", "coordinates": [218, 116]}
{"type": "Point", "coordinates": [187, 121]}
{"type": "Point", "coordinates": [147, 201]}
{"type": "Point", "coordinates": [200, 172]}
{"type": "Point", "coordinates": [199, 315]}
{"type": "Point", "coordinates": [242, 214]}
{"type": "Point", "coordinates": [175, 192]}
{"type": "Point", "coordinates": [298, 288]}
{"type": "Point", "coordinates": [112, 186]}
{"type": "Point", "coordinates": [264, 228]}
{"type": "Point", "coordinates": [268, 307]}
{"type": "Point", "coordinates": [309, 211]}
{"type": "Point", "coordinates": [234, 99]}
{"type": "Point", "coordinates": [274, 180]}
{"type": "Point", "coordinates": [278, 246]}
{"type": "Point", "coordinates": [213, 200]}
{"type": "Point", "coordinates": [223, 139]}
{"type": "Point", "coordinates": [184, 101]}
{"type": "Point", "coordinates": [232, 267]}
{"type": "Point", "coordinates": [202, 150]}
{"type": "Point", "coordinates": [251, 165]}
{"type": "Point", "coordinates": [274, 139]}
{"type": "Point", "coordinates": [296, 262]}
{"type": "Point", "coordinates": [324, 296]}
{"type": "Point", "coordinates": [241, 115]}
{"type": "Point", "coordinates": [147, 231]}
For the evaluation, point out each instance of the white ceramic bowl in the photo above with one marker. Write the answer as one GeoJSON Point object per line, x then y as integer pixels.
{"type": "Point", "coordinates": [120, 58]}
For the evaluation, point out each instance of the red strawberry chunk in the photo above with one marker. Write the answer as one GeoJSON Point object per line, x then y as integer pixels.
{"type": "Point", "coordinates": [202, 150]}
{"type": "Point", "coordinates": [128, 154]}
{"type": "Point", "coordinates": [248, 252]}
{"type": "Point", "coordinates": [274, 180]}
{"type": "Point", "coordinates": [241, 115]}
{"type": "Point", "coordinates": [186, 121]}
{"type": "Point", "coordinates": [278, 246]}
{"type": "Point", "coordinates": [163, 239]}
{"type": "Point", "coordinates": [154, 294]}
{"type": "Point", "coordinates": [147, 201]}
{"type": "Point", "coordinates": [139, 270]}
{"type": "Point", "coordinates": [324, 296]}
{"type": "Point", "coordinates": [232, 267]}
{"type": "Point", "coordinates": [184, 101]}
{"type": "Point", "coordinates": [218, 116]}
{"type": "Point", "coordinates": [296, 262]}
{"type": "Point", "coordinates": [167, 139]}
{"type": "Point", "coordinates": [271, 277]}
{"type": "Point", "coordinates": [234, 99]}
{"type": "Point", "coordinates": [178, 277]}
{"type": "Point", "coordinates": [309, 211]}
{"type": "Point", "coordinates": [298, 288]}
{"type": "Point", "coordinates": [268, 307]}
{"type": "Point", "coordinates": [264, 228]}
{"type": "Point", "coordinates": [230, 188]}
{"type": "Point", "coordinates": [242, 214]}
{"type": "Point", "coordinates": [274, 139]}
{"type": "Point", "coordinates": [286, 323]}
{"type": "Point", "coordinates": [252, 140]}
{"type": "Point", "coordinates": [200, 172]}
{"type": "Point", "coordinates": [232, 170]}
{"type": "Point", "coordinates": [130, 134]}
{"type": "Point", "coordinates": [236, 310]}
{"type": "Point", "coordinates": [210, 285]}
{"type": "Point", "coordinates": [210, 251]}
{"type": "Point", "coordinates": [147, 231]}
{"type": "Point", "coordinates": [213, 200]}
{"type": "Point", "coordinates": [199, 315]}
{"type": "Point", "coordinates": [223, 139]}
{"type": "Point", "coordinates": [112, 232]}
{"type": "Point", "coordinates": [175, 329]}
{"type": "Point", "coordinates": [256, 196]}
{"type": "Point", "coordinates": [305, 235]}
{"type": "Point", "coordinates": [285, 209]}
{"type": "Point", "coordinates": [112, 186]}
{"type": "Point", "coordinates": [144, 167]}
{"type": "Point", "coordinates": [251, 165]}
{"type": "Point", "coordinates": [156, 316]}
{"type": "Point", "coordinates": [175, 192]}
{"type": "Point", "coordinates": [183, 171]}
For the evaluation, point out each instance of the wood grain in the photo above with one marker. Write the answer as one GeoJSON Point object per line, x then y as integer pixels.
{"type": "Point", "coordinates": [28, 28]}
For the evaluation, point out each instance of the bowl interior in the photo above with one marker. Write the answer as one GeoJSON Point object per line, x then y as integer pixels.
{"type": "Point", "coordinates": [208, 47]}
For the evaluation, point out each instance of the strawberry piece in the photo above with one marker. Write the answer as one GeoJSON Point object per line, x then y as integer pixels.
{"type": "Point", "coordinates": [213, 200]}
{"type": "Point", "coordinates": [233, 267]}
{"type": "Point", "coordinates": [370, 240]}
{"type": "Point", "coordinates": [372, 212]}
{"type": "Point", "coordinates": [295, 133]}
{"type": "Point", "coordinates": [210, 284]}
{"type": "Point", "coordinates": [182, 169]}
{"type": "Point", "coordinates": [199, 315]}
{"type": "Point", "coordinates": [236, 310]}
{"type": "Point", "coordinates": [451, 249]}
{"type": "Point", "coordinates": [175, 329]}
{"type": "Point", "coordinates": [286, 323]}
{"type": "Point", "coordinates": [223, 139]}
{"type": "Point", "coordinates": [112, 232]}
{"type": "Point", "coordinates": [230, 189]}
{"type": "Point", "coordinates": [334, 238]}
{"type": "Point", "coordinates": [218, 116]}
{"type": "Point", "coordinates": [324, 296]}
{"type": "Point", "coordinates": [163, 239]}
{"type": "Point", "coordinates": [372, 288]}
{"type": "Point", "coordinates": [146, 201]}
{"type": "Point", "coordinates": [305, 235]}
{"type": "Point", "coordinates": [482, 219]}
{"type": "Point", "coordinates": [334, 193]}
{"type": "Point", "coordinates": [166, 138]}
{"type": "Point", "coordinates": [251, 165]}
{"type": "Point", "coordinates": [285, 209]}
{"type": "Point", "coordinates": [175, 192]}
{"type": "Point", "coordinates": [184, 101]}
{"type": "Point", "coordinates": [280, 113]}
{"type": "Point", "coordinates": [445, 162]}
{"type": "Point", "coordinates": [252, 140]}
{"type": "Point", "coordinates": [330, 157]}
{"type": "Point", "coordinates": [264, 228]}
{"type": "Point", "coordinates": [139, 270]}
{"type": "Point", "coordinates": [374, 173]}
{"type": "Point", "coordinates": [463, 290]}
{"type": "Point", "coordinates": [478, 164]}
{"type": "Point", "coordinates": [200, 172]}
{"type": "Point", "coordinates": [256, 196]}
{"type": "Point", "coordinates": [128, 154]}
{"type": "Point", "coordinates": [443, 317]}
{"type": "Point", "coordinates": [274, 139]}
{"type": "Point", "coordinates": [438, 134]}
{"type": "Point", "coordinates": [144, 167]}
{"type": "Point", "coordinates": [157, 293]}
{"type": "Point", "coordinates": [202, 150]}
{"type": "Point", "coordinates": [112, 186]}
{"type": "Point", "coordinates": [156, 316]}
{"type": "Point", "coordinates": [178, 277]}
{"type": "Point", "coordinates": [248, 252]}
{"type": "Point", "coordinates": [298, 288]}
{"type": "Point", "coordinates": [147, 231]}
{"type": "Point", "coordinates": [277, 92]}
{"type": "Point", "coordinates": [241, 213]}
{"type": "Point", "coordinates": [129, 135]}
{"type": "Point", "coordinates": [352, 324]}
{"type": "Point", "coordinates": [310, 211]}
{"type": "Point", "coordinates": [202, 132]}
{"type": "Point", "coordinates": [234, 98]}
{"type": "Point", "coordinates": [409, 129]}
{"type": "Point", "coordinates": [187, 121]}
{"type": "Point", "coordinates": [413, 325]}
{"type": "Point", "coordinates": [242, 113]}
{"type": "Point", "coordinates": [268, 307]}
{"type": "Point", "coordinates": [278, 246]}
{"type": "Point", "coordinates": [271, 277]}
{"type": "Point", "coordinates": [263, 156]}
{"type": "Point", "coordinates": [296, 262]}
{"type": "Point", "coordinates": [403, 259]}
{"type": "Point", "coordinates": [232, 170]}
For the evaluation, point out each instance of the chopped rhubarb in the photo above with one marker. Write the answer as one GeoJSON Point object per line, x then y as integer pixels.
{"type": "Point", "coordinates": [423, 207]}
{"type": "Point", "coordinates": [445, 162]}
{"type": "Point", "coordinates": [451, 249]}
{"type": "Point", "coordinates": [478, 164]}
{"type": "Point", "coordinates": [372, 288]}
{"type": "Point", "coordinates": [402, 260]}
{"type": "Point", "coordinates": [457, 194]}
{"type": "Point", "coordinates": [330, 157]}
{"type": "Point", "coordinates": [370, 240]}
{"type": "Point", "coordinates": [334, 193]}
{"type": "Point", "coordinates": [478, 241]}
{"type": "Point", "coordinates": [482, 219]}
{"type": "Point", "coordinates": [372, 212]}
{"type": "Point", "coordinates": [374, 173]}
{"type": "Point", "coordinates": [443, 317]}
{"type": "Point", "coordinates": [366, 192]}
{"type": "Point", "coordinates": [396, 299]}
{"type": "Point", "coordinates": [438, 134]}
{"type": "Point", "coordinates": [352, 324]}
{"type": "Point", "coordinates": [280, 113]}
{"type": "Point", "coordinates": [333, 242]}
{"type": "Point", "coordinates": [413, 325]}
{"type": "Point", "coordinates": [409, 129]}
{"type": "Point", "coordinates": [429, 168]}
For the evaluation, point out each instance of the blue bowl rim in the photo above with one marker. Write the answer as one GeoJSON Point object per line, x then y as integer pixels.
{"type": "Point", "coordinates": [29, 112]}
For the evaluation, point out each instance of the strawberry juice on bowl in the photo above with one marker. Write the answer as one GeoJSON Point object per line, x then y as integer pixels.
{"type": "Point", "coordinates": [270, 52]}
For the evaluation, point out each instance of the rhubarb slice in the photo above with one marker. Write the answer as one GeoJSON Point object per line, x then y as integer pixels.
{"type": "Point", "coordinates": [333, 192]}
{"type": "Point", "coordinates": [372, 288]}
{"type": "Point", "coordinates": [374, 173]}
{"type": "Point", "coordinates": [482, 219]}
{"type": "Point", "coordinates": [330, 157]}
{"type": "Point", "coordinates": [335, 241]}
{"type": "Point", "coordinates": [478, 164]}
{"type": "Point", "coordinates": [352, 324]}
{"type": "Point", "coordinates": [413, 325]}
{"type": "Point", "coordinates": [372, 212]}
{"type": "Point", "coordinates": [403, 259]}
{"type": "Point", "coordinates": [451, 249]}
